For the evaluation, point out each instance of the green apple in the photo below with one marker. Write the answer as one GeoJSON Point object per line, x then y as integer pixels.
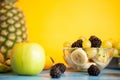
{"type": "Point", "coordinates": [27, 58]}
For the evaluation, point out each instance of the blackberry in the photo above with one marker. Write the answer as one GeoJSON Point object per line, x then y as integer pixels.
{"type": "Point", "coordinates": [95, 41]}
{"type": "Point", "coordinates": [77, 43]}
{"type": "Point", "coordinates": [57, 70]}
{"type": "Point", "coordinates": [61, 66]}
{"type": "Point", "coordinates": [93, 70]}
{"type": "Point", "coordinates": [55, 73]}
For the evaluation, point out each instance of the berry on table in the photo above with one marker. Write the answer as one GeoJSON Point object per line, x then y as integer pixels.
{"type": "Point", "coordinates": [93, 70]}
{"type": "Point", "coordinates": [55, 73]}
{"type": "Point", "coordinates": [61, 66]}
{"type": "Point", "coordinates": [57, 70]}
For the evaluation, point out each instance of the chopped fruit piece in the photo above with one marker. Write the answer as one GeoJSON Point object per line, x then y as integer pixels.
{"type": "Point", "coordinates": [112, 41]}
{"type": "Point", "coordinates": [95, 41]}
{"type": "Point", "coordinates": [93, 70]}
{"type": "Point", "coordinates": [107, 44]}
{"type": "Point", "coordinates": [61, 66]}
{"type": "Point", "coordinates": [57, 70]}
{"type": "Point", "coordinates": [103, 57]}
{"type": "Point", "coordinates": [87, 65]}
{"type": "Point", "coordinates": [117, 45]}
{"type": "Point", "coordinates": [79, 57]}
{"type": "Point", "coordinates": [116, 53]}
{"type": "Point", "coordinates": [82, 38]}
{"type": "Point", "coordinates": [55, 73]}
{"type": "Point", "coordinates": [86, 44]}
{"type": "Point", "coordinates": [67, 44]}
{"type": "Point", "coordinates": [77, 43]}
{"type": "Point", "coordinates": [91, 52]}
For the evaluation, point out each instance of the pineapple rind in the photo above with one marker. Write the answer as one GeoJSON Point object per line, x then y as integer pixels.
{"type": "Point", "coordinates": [12, 27]}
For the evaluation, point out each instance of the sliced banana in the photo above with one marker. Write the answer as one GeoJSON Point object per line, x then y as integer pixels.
{"type": "Point", "coordinates": [69, 62]}
{"type": "Point", "coordinates": [101, 65]}
{"type": "Point", "coordinates": [79, 57]}
{"type": "Point", "coordinates": [87, 65]}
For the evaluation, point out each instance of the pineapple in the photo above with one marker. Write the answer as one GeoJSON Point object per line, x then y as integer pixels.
{"type": "Point", "coordinates": [12, 26]}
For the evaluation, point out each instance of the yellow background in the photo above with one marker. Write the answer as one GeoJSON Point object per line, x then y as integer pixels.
{"type": "Point", "coordinates": [52, 22]}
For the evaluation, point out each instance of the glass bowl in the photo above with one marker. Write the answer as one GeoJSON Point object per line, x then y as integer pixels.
{"type": "Point", "coordinates": [81, 59]}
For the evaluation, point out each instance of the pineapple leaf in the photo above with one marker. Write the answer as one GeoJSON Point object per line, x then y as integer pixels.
{"type": "Point", "coordinates": [8, 1]}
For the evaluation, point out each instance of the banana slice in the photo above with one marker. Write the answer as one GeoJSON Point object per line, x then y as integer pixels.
{"type": "Point", "coordinates": [69, 62]}
{"type": "Point", "coordinates": [79, 57]}
{"type": "Point", "coordinates": [87, 65]}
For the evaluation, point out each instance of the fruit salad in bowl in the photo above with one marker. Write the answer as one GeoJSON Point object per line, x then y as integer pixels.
{"type": "Point", "coordinates": [81, 54]}
{"type": "Point", "coordinates": [82, 58]}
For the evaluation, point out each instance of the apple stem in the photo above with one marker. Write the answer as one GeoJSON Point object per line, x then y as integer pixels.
{"type": "Point", "coordinates": [52, 60]}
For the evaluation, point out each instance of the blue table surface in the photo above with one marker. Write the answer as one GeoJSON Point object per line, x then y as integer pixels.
{"type": "Point", "coordinates": [106, 74]}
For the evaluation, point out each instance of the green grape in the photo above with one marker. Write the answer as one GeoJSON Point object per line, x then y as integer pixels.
{"type": "Point", "coordinates": [116, 53]}
{"type": "Point", "coordinates": [91, 52]}
{"type": "Point", "coordinates": [82, 38]}
{"type": "Point", "coordinates": [107, 44]}
{"type": "Point", "coordinates": [117, 45]}
{"type": "Point", "coordinates": [86, 44]}
{"type": "Point", "coordinates": [67, 44]}
{"type": "Point", "coordinates": [113, 42]}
